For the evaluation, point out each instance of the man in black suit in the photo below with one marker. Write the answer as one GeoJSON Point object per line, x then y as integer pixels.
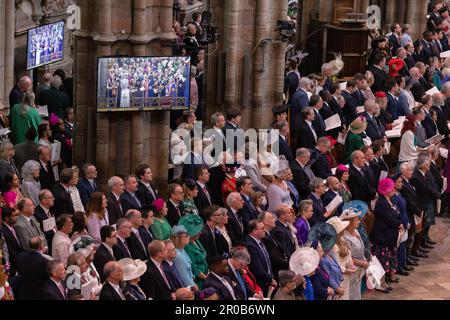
{"type": "Point", "coordinates": [17, 93]}
{"type": "Point", "coordinates": [301, 172]}
{"type": "Point", "coordinates": [360, 85]}
{"type": "Point", "coordinates": [63, 201]}
{"type": "Point", "coordinates": [145, 232]}
{"type": "Point", "coordinates": [116, 187]}
{"type": "Point", "coordinates": [278, 257]}
{"type": "Point", "coordinates": [211, 239]}
{"type": "Point", "coordinates": [375, 129]}
{"type": "Point", "coordinates": [435, 18]}
{"type": "Point", "coordinates": [203, 199]}
{"type": "Point", "coordinates": [232, 131]}
{"type": "Point", "coordinates": [104, 252]}
{"type": "Point", "coordinates": [235, 225]}
{"type": "Point", "coordinates": [239, 260]}
{"type": "Point", "coordinates": [260, 265]}
{"type": "Point", "coordinates": [350, 102]}
{"type": "Point", "coordinates": [53, 289]}
{"type": "Point", "coordinates": [248, 212]}
{"type": "Point", "coordinates": [111, 289]}
{"type": "Point", "coordinates": [380, 76]}
{"type": "Point", "coordinates": [218, 278]}
{"type": "Point", "coordinates": [358, 183]}
{"type": "Point", "coordinates": [300, 101]}
{"type": "Point", "coordinates": [56, 100]}
{"type": "Point", "coordinates": [27, 150]}
{"type": "Point", "coordinates": [283, 147]}
{"type": "Point", "coordinates": [43, 212]}
{"type": "Point", "coordinates": [307, 135]}
{"type": "Point", "coordinates": [394, 38]}
{"type": "Point", "coordinates": [438, 105]}
{"type": "Point", "coordinates": [175, 209]}
{"type": "Point", "coordinates": [319, 162]}
{"type": "Point", "coordinates": [319, 125]}
{"type": "Point", "coordinates": [9, 217]}
{"type": "Point", "coordinates": [334, 187]}
{"type": "Point", "coordinates": [291, 81]}
{"type": "Point", "coordinates": [135, 243]}
{"type": "Point", "coordinates": [129, 199]}
{"type": "Point", "coordinates": [281, 231]}
{"type": "Point", "coordinates": [121, 249]}
{"type": "Point", "coordinates": [87, 185]}
{"type": "Point", "coordinates": [416, 89]}
{"type": "Point", "coordinates": [32, 268]}
{"type": "Point", "coordinates": [171, 271]}
{"type": "Point", "coordinates": [146, 192]}
{"type": "Point", "coordinates": [378, 165]}
{"type": "Point", "coordinates": [46, 175]}
{"type": "Point", "coordinates": [154, 282]}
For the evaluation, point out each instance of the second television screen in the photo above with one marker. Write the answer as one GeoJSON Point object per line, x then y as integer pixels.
{"type": "Point", "coordinates": [143, 83]}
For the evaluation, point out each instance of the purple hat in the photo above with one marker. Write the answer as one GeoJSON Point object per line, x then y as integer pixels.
{"type": "Point", "coordinates": [53, 119]}
{"type": "Point", "coordinates": [385, 186]}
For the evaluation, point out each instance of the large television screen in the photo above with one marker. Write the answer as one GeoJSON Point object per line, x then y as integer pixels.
{"type": "Point", "coordinates": [45, 45]}
{"type": "Point", "coordinates": [143, 83]}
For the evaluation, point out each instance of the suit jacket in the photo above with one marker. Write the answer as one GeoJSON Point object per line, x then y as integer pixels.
{"type": "Point", "coordinates": [172, 276]}
{"type": "Point", "coordinates": [32, 268]}
{"type": "Point", "coordinates": [291, 82]}
{"type": "Point", "coordinates": [374, 130]}
{"type": "Point", "coordinates": [146, 235]}
{"type": "Point", "coordinates": [63, 201]}
{"type": "Point", "coordinates": [120, 251]}
{"type": "Point", "coordinates": [387, 221]}
{"type": "Point", "coordinates": [248, 211]}
{"type": "Point", "coordinates": [85, 189]}
{"type": "Point", "coordinates": [135, 247]}
{"type": "Point", "coordinates": [173, 216]}
{"type": "Point", "coordinates": [380, 79]}
{"type": "Point", "coordinates": [300, 100]}
{"type": "Point", "coordinates": [101, 258]}
{"type": "Point", "coordinates": [326, 200]}
{"type": "Point", "coordinates": [430, 127]}
{"type": "Point", "coordinates": [144, 194]}
{"type": "Point", "coordinates": [261, 269]}
{"type": "Point", "coordinates": [46, 178]}
{"type": "Point", "coordinates": [235, 227]}
{"type": "Point", "coordinates": [202, 201]}
{"type": "Point", "coordinates": [128, 202]}
{"type": "Point", "coordinates": [318, 210]}
{"type": "Point", "coordinates": [153, 284]}
{"type": "Point", "coordinates": [441, 121]}
{"type": "Point", "coordinates": [278, 257]}
{"type": "Point", "coordinates": [285, 149]}
{"type": "Point", "coordinates": [395, 43]}
{"type": "Point", "coordinates": [393, 106]}
{"type": "Point", "coordinates": [359, 186]}
{"type": "Point", "coordinates": [50, 291]}
{"type": "Point", "coordinates": [238, 138]}
{"type": "Point", "coordinates": [25, 231]}
{"type": "Point", "coordinates": [114, 208]}
{"type": "Point", "coordinates": [417, 91]}
{"type": "Point", "coordinates": [224, 294]}
{"type": "Point", "coordinates": [427, 49]}
{"type": "Point", "coordinates": [319, 164]}
{"type": "Point", "coordinates": [15, 96]}
{"type": "Point", "coordinates": [424, 188]}
{"type": "Point", "coordinates": [436, 173]}
{"type": "Point", "coordinates": [56, 101]}
{"type": "Point", "coordinates": [359, 97]}
{"type": "Point", "coordinates": [433, 21]}
{"type": "Point", "coordinates": [40, 216]}
{"type": "Point", "coordinates": [319, 124]}
{"type": "Point", "coordinates": [25, 151]}
{"type": "Point", "coordinates": [238, 290]}
{"type": "Point", "coordinates": [14, 248]}
{"type": "Point", "coordinates": [306, 137]}
{"type": "Point", "coordinates": [214, 244]}
{"type": "Point", "coordinates": [190, 166]}
{"type": "Point", "coordinates": [108, 293]}
{"type": "Point", "coordinates": [412, 202]}
{"type": "Point", "coordinates": [377, 166]}
{"type": "Point", "coordinates": [301, 179]}
{"type": "Point", "coordinates": [350, 107]}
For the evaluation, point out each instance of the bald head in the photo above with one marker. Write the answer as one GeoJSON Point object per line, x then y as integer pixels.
{"type": "Point", "coordinates": [25, 83]}
{"type": "Point", "coordinates": [47, 78]}
{"type": "Point", "coordinates": [184, 294]}
{"type": "Point", "coordinates": [415, 73]}
{"type": "Point", "coordinates": [358, 158]}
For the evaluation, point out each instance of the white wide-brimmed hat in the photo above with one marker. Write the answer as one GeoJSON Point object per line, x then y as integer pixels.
{"type": "Point", "coordinates": [338, 224]}
{"type": "Point", "coordinates": [349, 214]}
{"type": "Point", "coordinates": [304, 261]}
{"type": "Point", "coordinates": [132, 269]}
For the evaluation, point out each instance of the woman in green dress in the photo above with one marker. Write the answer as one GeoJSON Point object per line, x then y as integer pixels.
{"type": "Point", "coordinates": [161, 227]}
{"type": "Point", "coordinates": [24, 116]}
{"type": "Point", "coordinates": [355, 136]}
{"type": "Point", "coordinates": [190, 192]}
{"type": "Point", "coordinates": [195, 250]}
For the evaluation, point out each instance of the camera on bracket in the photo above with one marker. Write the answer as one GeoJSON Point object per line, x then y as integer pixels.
{"type": "Point", "coordinates": [287, 30]}
{"type": "Point", "coordinates": [210, 31]}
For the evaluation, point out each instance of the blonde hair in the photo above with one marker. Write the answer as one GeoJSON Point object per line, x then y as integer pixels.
{"type": "Point", "coordinates": [342, 246]}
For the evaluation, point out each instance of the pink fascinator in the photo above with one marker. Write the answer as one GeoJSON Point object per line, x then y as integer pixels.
{"type": "Point", "coordinates": [158, 204]}
{"type": "Point", "coordinates": [385, 186]}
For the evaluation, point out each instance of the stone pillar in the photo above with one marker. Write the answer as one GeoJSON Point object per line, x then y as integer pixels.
{"type": "Point", "coordinates": [401, 11]}
{"type": "Point", "coordinates": [2, 52]}
{"type": "Point", "coordinates": [390, 14]}
{"type": "Point", "coordinates": [415, 16]}
{"type": "Point", "coordinates": [231, 50]}
{"type": "Point", "coordinates": [304, 20]}
{"type": "Point", "coordinates": [9, 48]}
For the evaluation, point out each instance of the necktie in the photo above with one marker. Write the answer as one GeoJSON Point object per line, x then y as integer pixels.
{"type": "Point", "coordinates": [136, 199]}
{"type": "Point", "coordinates": [151, 191]}
{"type": "Point", "coordinates": [164, 275]}
{"type": "Point", "coordinates": [140, 240]}
{"type": "Point", "coordinates": [205, 190]}
{"type": "Point", "coordinates": [93, 185]}
{"type": "Point", "coordinates": [376, 125]}
{"type": "Point", "coordinates": [241, 226]}
{"type": "Point", "coordinates": [126, 247]}
{"type": "Point", "coordinates": [266, 257]}
{"type": "Point", "coordinates": [62, 290]}
{"type": "Point", "coordinates": [228, 286]}
{"type": "Point", "coordinates": [36, 227]}
{"type": "Point", "coordinates": [241, 282]}
{"type": "Point", "coordinates": [15, 235]}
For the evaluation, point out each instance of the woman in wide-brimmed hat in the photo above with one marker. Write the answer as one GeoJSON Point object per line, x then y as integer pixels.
{"type": "Point", "coordinates": [132, 271]}
{"type": "Point", "coordinates": [355, 244]}
{"type": "Point", "coordinates": [304, 261]}
{"type": "Point", "coordinates": [355, 136]}
{"type": "Point", "coordinates": [195, 250]}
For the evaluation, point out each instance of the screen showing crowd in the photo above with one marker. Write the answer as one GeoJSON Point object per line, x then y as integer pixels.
{"type": "Point", "coordinates": [143, 83]}
{"type": "Point", "coordinates": [45, 45]}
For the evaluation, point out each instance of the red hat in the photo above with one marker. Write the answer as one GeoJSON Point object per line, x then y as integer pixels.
{"type": "Point", "coordinates": [395, 65]}
{"type": "Point", "coordinates": [380, 94]}
{"type": "Point", "coordinates": [332, 141]}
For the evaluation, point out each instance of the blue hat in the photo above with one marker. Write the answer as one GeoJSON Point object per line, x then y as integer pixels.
{"type": "Point", "coordinates": [358, 205]}
{"type": "Point", "coordinates": [325, 234]}
{"type": "Point", "coordinates": [176, 230]}
{"type": "Point", "coordinates": [193, 224]}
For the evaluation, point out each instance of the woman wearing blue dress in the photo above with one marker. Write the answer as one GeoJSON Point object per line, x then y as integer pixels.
{"type": "Point", "coordinates": [180, 238]}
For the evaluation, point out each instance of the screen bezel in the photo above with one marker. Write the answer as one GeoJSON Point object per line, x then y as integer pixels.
{"type": "Point", "coordinates": [28, 43]}
{"type": "Point", "coordinates": [119, 110]}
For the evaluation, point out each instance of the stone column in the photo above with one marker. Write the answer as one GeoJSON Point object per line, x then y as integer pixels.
{"type": "Point", "coordinates": [2, 52]}
{"type": "Point", "coordinates": [9, 47]}
{"type": "Point", "coordinates": [416, 16]}
{"type": "Point", "coordinates": [390, 14]}
{"type": "Point", "coordinates": [304, 20]}
{"type": "Point", "coordinates": [231, 50]}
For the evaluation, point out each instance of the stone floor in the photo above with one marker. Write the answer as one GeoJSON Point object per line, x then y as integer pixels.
{"type": "Point", "coordinates": [431, 279]}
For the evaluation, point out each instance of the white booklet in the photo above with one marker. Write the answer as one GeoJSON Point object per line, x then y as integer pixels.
{"type": "Point", "coordinates": [432, 91]}
{"type": "Point", "coordinates": [86, 290]}
{"type": "Point", "coordinates": [333, 122]}
{"type": "Point", "coordinates": [396, 133]}
{"type": "Point", "coordinates": [360, 109]}
{"type": "Point", "coordinates": [49, 224]}
{"type": "Point", "coordinates": [334, 204]}
{"type": "Point", "coordinates": [43, 111]}
{"type": "Point", "coordinates": [383, 175]}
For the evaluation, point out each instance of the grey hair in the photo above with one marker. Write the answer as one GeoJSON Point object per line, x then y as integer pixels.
{"type": "Point", "coordinates": [43, 193]}
{"type": "Point", "coordinates": [121, 222]}
{"type": "Point", "coordinates": [75, 259]}
{"type": "Point", "coordinates": [302, 152]}
{"type": "Point", "coordinates": [369, 105]}
{"type": "Point", "coordinates": [132, 213]}
{"type": "Point", "coordinates": [56, 81]}
{"type": "Point", "coordinates": [52, 265]}
{"type": "Point", "coordinates": [4, 146]}
{"type": "Point", "coordinates": [231, 197]}
{"type": "Point", "coordinates": [28, 168]}
{"type": "Point", "coordinates": [285, 276]}
{"type": "Point", "coordinates": [405, 165]}
{"type": "Point", "coordinates": [314, 183]}
{"type": "Point", "coordinates": [304, 82]}
{"type": "Point", "coordinates": [305, 204]}
{"type": "Point", "coordinates": [446, 88]}
{"type": "Point", "coordinates": [423, 160]}
{"type": "Point", "coordinates": [215, 118]}
{"type": "Point", "coordinates": [355, 153]}
{"type": "Point", "coordinates": [242, 256]}
{"type": "Point", "coordinates": [113, 181]}
{"type": "Point", "coordinates": [325, 66]}
{"type": "Point", "coordinates": [109, 268]}
{"type": "Point", "coordinates": [323, 141]}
